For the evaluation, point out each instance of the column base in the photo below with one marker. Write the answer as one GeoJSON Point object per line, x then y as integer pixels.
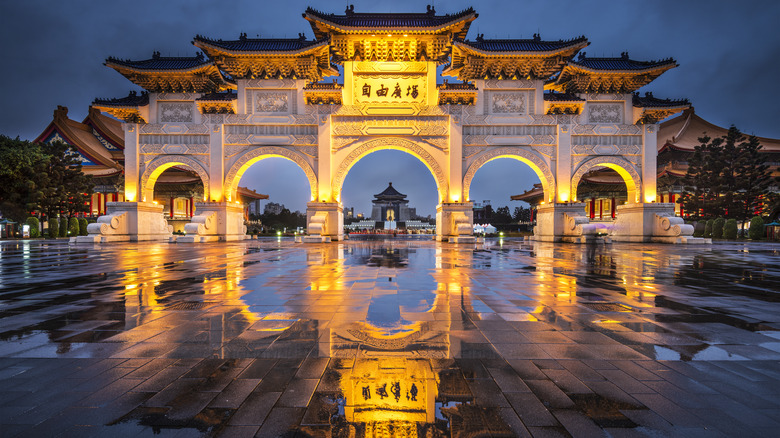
{"type": "Point", "coordinates": [215, 221]}
{"type": "Point", "coordinates": [324, 219]}
{"type": "Point", "coordinates": [652, 222]}
{"type": "Point", "coordinates": [455, 221]}
{"type": "Point", "coordinates": [554, 222]}
{"type": "Point", "coordinates": [128, 222]}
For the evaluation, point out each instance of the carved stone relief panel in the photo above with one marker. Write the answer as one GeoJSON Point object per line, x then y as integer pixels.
{"type": "Point", "coordinates": [175, 112]}
{"type": "Point", "coordinates": [602, 112]}
{"type": "Point", "coordinates": [271, 102]}
{"type": "Point", "coordinates": [509, 102]}
{"type": "Point", "coordinates": [499, 83]}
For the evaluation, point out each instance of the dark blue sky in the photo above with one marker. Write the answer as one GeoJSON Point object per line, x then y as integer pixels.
{"type": "Point", "coordinates": [729, 56]}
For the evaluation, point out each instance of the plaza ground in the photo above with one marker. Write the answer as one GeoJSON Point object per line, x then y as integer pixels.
{"type": "Point", "coordinates": [274, 338]}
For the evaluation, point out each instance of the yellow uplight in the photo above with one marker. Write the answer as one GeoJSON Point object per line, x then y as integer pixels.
{"type": "Point", "coordinates": [650, 198]}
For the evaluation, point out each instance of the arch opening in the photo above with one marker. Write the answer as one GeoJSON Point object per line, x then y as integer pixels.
{"type": "Point", "coordinates": [397, 144]}
{"type": "Point", "coordinates": [387, 186]}
{"type": "Point", "coordinates": [534, 161]}
{"type": "Point", "coordinates": [239, 168]}
{"type": "Point", "coordinates": [504, 191]}
{"type": "Point", "coordinates": [184, 166]}
{"type": "Point", "coordinates": [623, 168]}
{"type": "Point", "coordinates": [274, 192]}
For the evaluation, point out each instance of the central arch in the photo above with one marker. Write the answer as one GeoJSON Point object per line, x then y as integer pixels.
{"type": "Point", "coordinates": [518, 153]}
{"type": "Point", "coordinates": [620, 165]}
{"type": "Point", "coordinates": [157, 166]}
{"type": "Point", "coordinates": [253, 156]}
{"type": "Point", "coordinates": [398, 144]}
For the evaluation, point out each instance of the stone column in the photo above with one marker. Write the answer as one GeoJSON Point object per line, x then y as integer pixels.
{"type": "Point", "coordinates": [324, 163]}
{"type": "Point", "coordinates": [455, 179]}
{"type": "Point", "coordinates": [563, 168]}
{"type": "Point", "coordinates": [216, 165]}
{"type": "Point", "coordinates": [132, 168]}
{"type": "Point", "coordinates": [649, 159]}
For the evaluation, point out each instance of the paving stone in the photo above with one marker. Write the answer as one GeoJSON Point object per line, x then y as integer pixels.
{"type": "Point", "coordinates": [262, 338]}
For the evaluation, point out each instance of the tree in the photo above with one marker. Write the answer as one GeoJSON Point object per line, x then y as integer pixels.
{"type": "Point", "coordinates": [756, 231]}
{"type": "Point", "coordinates": [755, 178]}
{"type": "Point", "coordinates": [35, 226]}
{"type": "Point", "coordinates": [730, 229]}
{"type": "Point", "coordinates": [22, 177]}
{"type": "Point", "coordinates": [54, 228]}
{"type": "Point", "coordinates": [727, 177]}
{"type": "Point", "coordinates": [502, 216]}
{"type": "Point", "coordinates": [41, 177]}
{"type": "Point", "coordinates": [521, 214]}
{"type": "Point", "coordinates": [68, 187]}
{"type": "Point", "coordinates": [701, 181]}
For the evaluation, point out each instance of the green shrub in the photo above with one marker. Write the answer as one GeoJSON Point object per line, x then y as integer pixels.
{"type": "Point", "coordinates": [730, 229]}
{"type": "Point", "coordinates": [73, 227]}
{"type": "Point", "coordinates": [698, 229]}
{"type": "Point", "coordinates": [708, 228]}
{"type": "Point", "coordinates": [717, 228]}
{"type": "Point", "coordinates": [63, 227]}
{"type": "Point", "coordinates": [35, 226]}
{"type": "Point", "coordinates": [54, 228]}
{"type": "Point", "coordinates": [756, 231]}
{"type": "Point", "coordinates": [83, 227]}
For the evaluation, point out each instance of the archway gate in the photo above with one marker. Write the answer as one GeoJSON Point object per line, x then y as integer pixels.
{"type": "Point", "coordinates": [273, 106]}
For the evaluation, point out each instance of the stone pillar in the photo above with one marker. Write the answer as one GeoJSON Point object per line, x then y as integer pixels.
{"type": "Point", "coordinates": [324, 163]}
{"type": "Point", "coordinates": [455, 222]}
{"type": "Point", "coordinates": [649, 159]}
{"type": "Point", "coordinates": [455, 180]}
{"type": "Point", "coordinates": [563, 169]}
{"type": "Point", "coordinates": [132, 175]}
{"type": "Point", "coordinates": [216, 166]}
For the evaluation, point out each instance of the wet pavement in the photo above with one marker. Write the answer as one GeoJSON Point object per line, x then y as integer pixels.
{"type": "Point", "coordinates": [395, 338]}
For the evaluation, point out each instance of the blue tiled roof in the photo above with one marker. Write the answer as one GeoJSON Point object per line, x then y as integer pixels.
{"type": "Point", "coordinates": [390, 191]}
{"type": "Point", "coordinates": [560, 97]}
{"type": "Point", "coordinates": [245, 44]}
{"type": "Point", "coordinates": [389, 20]}
{"type": "Point", "coordinates": [649, 101]}
{"type": "Point", "coordinates": [227, 96]}
{"type": "Point", "coordinates": [621, 63]}
{"type": "Point", "coordinates": [158, 62]}
{"type": "Point", "coordinates": [521, 45]}
{"type": "Point", "coordinates": [132, 99]}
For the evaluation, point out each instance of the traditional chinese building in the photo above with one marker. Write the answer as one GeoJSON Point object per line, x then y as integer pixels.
{"type": "Point", "coordinates": [390, 205]}
{"type": "Point", "coordinates": [99, 143]}
{"type": "Point", "coordinates": [603, 189]}
{"type": "Point", "coordinates": [542, 102]}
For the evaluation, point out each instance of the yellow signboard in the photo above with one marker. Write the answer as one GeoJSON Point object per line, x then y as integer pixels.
{"type": "Point", "coordinates": [390, 89]}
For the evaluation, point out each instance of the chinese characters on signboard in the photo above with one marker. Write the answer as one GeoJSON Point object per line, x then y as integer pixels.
{"type": "Point", "coordinates": [387, 89]}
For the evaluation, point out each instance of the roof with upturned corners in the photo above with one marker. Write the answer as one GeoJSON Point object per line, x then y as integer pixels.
{"type": "Point", "coordinates": [425, 21]}
{"type": "Point", "coordinates": [522, 45]}
{"type": "Point", "coordinates": [244, 44]}
{"type": "Point", "coordinates": [157, 62]}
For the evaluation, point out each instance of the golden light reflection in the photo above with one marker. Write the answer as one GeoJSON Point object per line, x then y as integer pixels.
{"type": "Point", "coordinates": [397, 390]}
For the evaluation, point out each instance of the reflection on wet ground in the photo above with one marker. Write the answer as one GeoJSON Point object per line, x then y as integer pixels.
{"type": "Point", "coordinates": [389, 338]}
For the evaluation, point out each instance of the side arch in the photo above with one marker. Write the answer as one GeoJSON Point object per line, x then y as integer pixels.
{"type": "Point", "coordinates": [252, 156]}
{"type": "Point", "coordinates": [526, 156]}
{"type": "Point", "coordinates": [160, 164]}
{"type": "Point", "coordinates": [620, 165]}
{"type": "Point", "coordinates": [398, 144]}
